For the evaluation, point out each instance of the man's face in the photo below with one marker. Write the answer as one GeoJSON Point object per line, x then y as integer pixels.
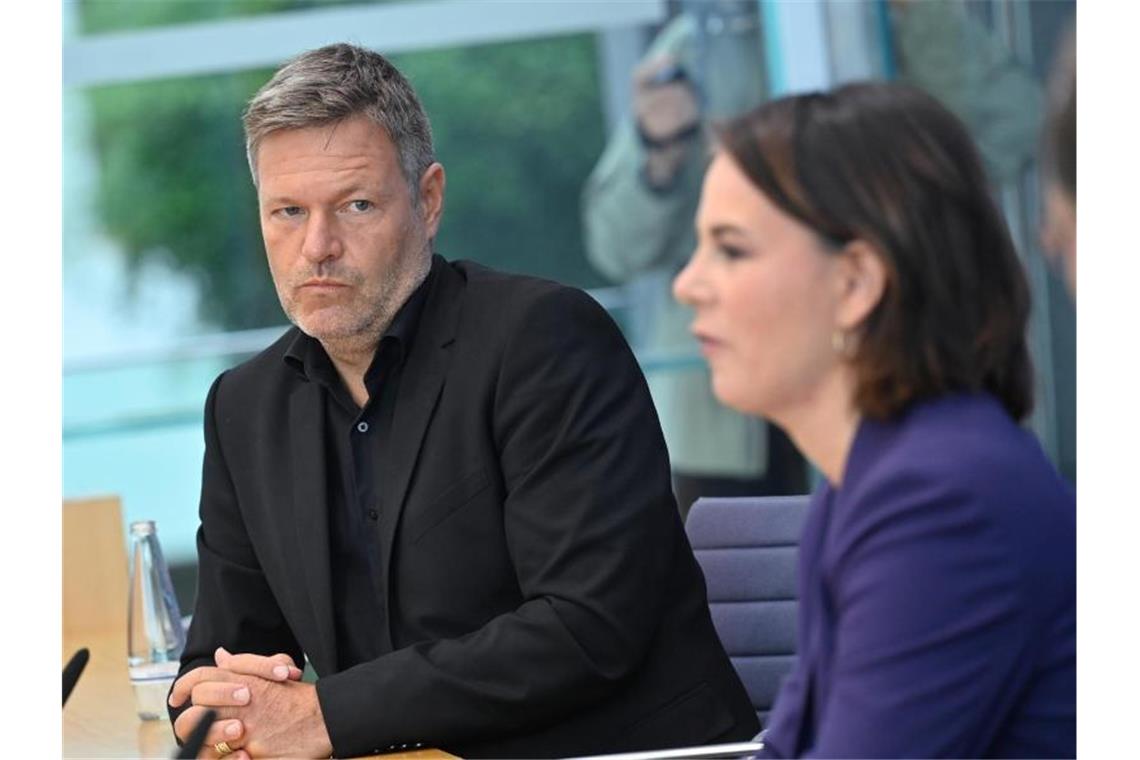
{"type": "Point", "coordinates": [346, 244]}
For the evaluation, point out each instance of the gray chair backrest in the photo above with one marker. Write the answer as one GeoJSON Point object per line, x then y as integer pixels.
{"type": "Point", "coordinates": [747, 549]}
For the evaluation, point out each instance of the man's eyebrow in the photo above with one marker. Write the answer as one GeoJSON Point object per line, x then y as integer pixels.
{"type": "Point", "coordinates": [341, 195]}
{"type": "Point", "coordinates": [362, 189]}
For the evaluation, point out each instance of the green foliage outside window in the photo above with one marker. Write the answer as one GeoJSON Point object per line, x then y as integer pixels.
{"type": "Point", "coordinates": [517, 127]}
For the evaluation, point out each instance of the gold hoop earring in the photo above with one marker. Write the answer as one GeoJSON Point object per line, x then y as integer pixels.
{"type": "Point", "coordinates": [842, 344]}
{"type": "Point", "coordinates": [839, 342]}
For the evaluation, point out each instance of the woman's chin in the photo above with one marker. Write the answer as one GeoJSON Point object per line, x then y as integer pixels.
{"type": "Point", "coordinates": [736, 394]}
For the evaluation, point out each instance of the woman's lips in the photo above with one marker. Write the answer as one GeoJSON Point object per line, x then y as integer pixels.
{"type": "Point", "coordinates": [708, 343]}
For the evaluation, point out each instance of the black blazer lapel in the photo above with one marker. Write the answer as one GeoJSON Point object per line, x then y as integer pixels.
{"type": "Point", "coordinates": [420, 385]}
{"type": "Point", "coordinates": [310, 517]}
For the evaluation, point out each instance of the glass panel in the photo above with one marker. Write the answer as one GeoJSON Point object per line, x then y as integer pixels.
{"type": "Point", "coordinates": [162, 242]}
{"type": "Point", "coordinates": [137, 432]}
{"type": "Point", "coordinates": [161, 238]}
{"type": "Point", "coordinates": [103, 16]}
{"type": "Point", "coordinates": [987, 60]}
{"type": "Point", "coordinates": [705, 63]}
{"type": "Point", "coordinates": [517, 127]}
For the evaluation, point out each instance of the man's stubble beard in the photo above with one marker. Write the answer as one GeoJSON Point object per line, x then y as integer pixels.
{"type": "Point", "coordinates": [374, 314]}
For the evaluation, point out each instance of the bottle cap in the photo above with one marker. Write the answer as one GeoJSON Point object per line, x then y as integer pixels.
{"type": "Point", "coordinates": [142, 527]}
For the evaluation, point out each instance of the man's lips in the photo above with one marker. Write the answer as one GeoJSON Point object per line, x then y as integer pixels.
{"type": "Point", "coordinates": [323, 284]}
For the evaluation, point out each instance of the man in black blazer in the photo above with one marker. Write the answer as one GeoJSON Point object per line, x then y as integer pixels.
{"type": "Point", "coordinates": [446, 487]}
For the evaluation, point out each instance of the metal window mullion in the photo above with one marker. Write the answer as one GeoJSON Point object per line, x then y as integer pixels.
{"type": "Point", "coordinates": [265, 41]}
{"type": "Point", "coordinates": [796, 46]}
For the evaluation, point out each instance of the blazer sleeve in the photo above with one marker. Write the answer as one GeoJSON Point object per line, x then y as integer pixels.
{"type": "Point", "coordinates": [629, 228]}
{"type": "Point", "coordinates": [234, 606]}
{"type": "Point", "coordinates": [931, 630]}
{"type": "Point", "coordinates": [591, 527]}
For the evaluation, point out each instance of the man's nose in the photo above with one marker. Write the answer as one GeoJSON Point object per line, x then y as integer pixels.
{"type": "Point", "coordinates": [322, 240]}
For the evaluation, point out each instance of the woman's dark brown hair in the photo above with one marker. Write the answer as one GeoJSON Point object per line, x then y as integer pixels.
{"type": "Point", "coordinates": [887, 164]}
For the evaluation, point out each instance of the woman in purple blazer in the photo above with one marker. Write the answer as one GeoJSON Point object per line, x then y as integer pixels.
{"type": "Point", "coordinates": [855, 284]}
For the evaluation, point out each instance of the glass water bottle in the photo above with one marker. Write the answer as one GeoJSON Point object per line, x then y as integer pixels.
{"type": "Point", "coordinates": [154, 624]}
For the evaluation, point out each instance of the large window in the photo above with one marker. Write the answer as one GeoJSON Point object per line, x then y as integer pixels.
{"type": "Point", "coordinates": [165, 281]}
{"type": "Point", "coordinates": [165, 277]}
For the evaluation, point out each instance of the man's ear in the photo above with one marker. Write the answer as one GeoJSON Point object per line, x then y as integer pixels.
{"type": "Point", "coordinates": [432, 184]}
{"type": "Point", "coordinates": [863, 280]}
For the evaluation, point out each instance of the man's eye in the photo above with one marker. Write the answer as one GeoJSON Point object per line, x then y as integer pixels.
{"type": "Point", "coordinates": [289, 211]}
{"type": "Point", "coordinates": [360, 205]}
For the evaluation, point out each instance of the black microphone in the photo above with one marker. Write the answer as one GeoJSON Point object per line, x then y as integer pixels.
{"type": "Point", "coordinates": [194, 741]}
{"type": "Point", "coordinates": [72, 671]}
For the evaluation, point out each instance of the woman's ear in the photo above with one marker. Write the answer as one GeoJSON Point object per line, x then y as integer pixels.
{"type": "Point", "coordinates": [863, 280]}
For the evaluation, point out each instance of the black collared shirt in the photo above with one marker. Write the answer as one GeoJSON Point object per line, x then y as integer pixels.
{"type": "Point", "coordinates": [357, 442]}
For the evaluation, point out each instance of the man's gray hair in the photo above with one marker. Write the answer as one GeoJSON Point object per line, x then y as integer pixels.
{"type": "Point", "coordinates": [336, 82]}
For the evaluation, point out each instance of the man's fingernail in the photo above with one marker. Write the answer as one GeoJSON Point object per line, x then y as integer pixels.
{"type": "Point", "coordinates": [281, 671]}
{"type": "Point", "coordinates": [223, 651]}
{"type": "Point", "coordinates": [242, 694]}
{"type": "Point", "coordinates": [233, 730]}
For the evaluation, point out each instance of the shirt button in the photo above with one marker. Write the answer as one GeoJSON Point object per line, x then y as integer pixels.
{"type": "Point", "coordinates": [362, 427]}
{"type": "Point", "coordinates": [373, 514]}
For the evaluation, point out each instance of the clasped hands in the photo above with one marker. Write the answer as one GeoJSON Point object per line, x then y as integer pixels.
{"type": "Point", "coordinates": [264, 710]}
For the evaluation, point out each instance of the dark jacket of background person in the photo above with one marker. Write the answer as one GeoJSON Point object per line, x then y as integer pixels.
{"type": "Point", "coordinates": [540, 593]}
{"type": "Point", "coordinates": [953, 496]}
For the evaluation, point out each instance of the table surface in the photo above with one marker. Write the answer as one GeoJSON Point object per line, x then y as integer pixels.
{"type": "Point", "coordinates": [100, 720]}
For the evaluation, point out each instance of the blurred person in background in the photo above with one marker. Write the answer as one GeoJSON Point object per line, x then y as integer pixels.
{"type": "Point", "coordinates": [439, 486]}
{"type": "Point", "coordinates": [855, 284]}
{"type": "Point", "coordinates": [706, 64]}
{"type": "Point", "coordinates": [638, 205]}
{"type": "Point", "coordinates": [943, 49]}
{"type": "Point", "coordinates": [1059, 236]}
